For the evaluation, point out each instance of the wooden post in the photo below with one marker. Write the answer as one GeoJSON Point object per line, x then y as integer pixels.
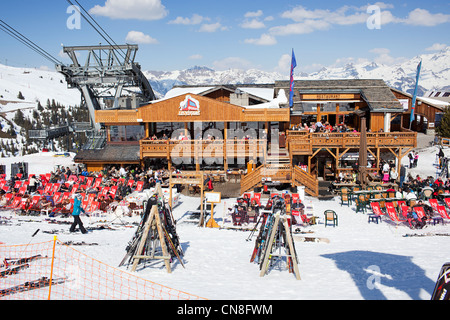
{"type": "Point", "coordinates": [291, 249]}
{"type": "Point", "coordinates": [202, 216]}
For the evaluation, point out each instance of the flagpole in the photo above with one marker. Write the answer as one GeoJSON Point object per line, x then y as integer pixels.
{"type": "Point", "coordinates": [413, 105]}
{"type": "Point", "coordinates": [291, 81]}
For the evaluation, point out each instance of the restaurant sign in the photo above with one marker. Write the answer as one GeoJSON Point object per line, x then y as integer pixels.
{"type": "Point", "coordinates": [189, 107]}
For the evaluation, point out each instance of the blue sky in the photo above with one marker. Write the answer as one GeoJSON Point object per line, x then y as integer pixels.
{"type": "Point", "coordinates": [244, 34]}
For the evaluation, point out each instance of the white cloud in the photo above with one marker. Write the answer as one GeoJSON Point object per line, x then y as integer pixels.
{"type": "Point", "coordinates": [284, 64]}
{"type": "Point", "coordinates": [254, 14]}
{"type": "Point", "coordinates": [212, 27]}
{"type": "Point", "coordinates": [131, 9]}
{"type": "Point", "coordinates": [232, 63]}
{"type": "Point", "coordinates": [437, 47]}
{"type": "Point", "coordinates": [384, 57]}
{"type": "Point", "coordinates": [422, 17]}
{"type": "Point", "coordinates": [140, 38]}
{"type": "Point", "coordinates": [196, 57]}
{"type": "Point", "coordinates": [253, 24]}
{"type": "Point", "coordinates": [304, 27]}
{"type": "Point", "coordinates": [342, 62]}
{"type": "Point", "coordinates": [264, 40]}
{"type": "Point", "coordinates": [195, 19]}
{"type": "Point", "coordinates": [380, 51]}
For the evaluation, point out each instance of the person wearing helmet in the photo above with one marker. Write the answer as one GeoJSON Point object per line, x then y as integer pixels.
{"type": "Point", "coordinates": [76, 215]}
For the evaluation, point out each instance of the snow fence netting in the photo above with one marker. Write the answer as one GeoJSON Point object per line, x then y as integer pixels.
{"type": "Point", "coordinates": [55, 271]}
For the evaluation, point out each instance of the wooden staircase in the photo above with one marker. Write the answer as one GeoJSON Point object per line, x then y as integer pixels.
{"type": "Point", "coordinates": [284, 173]}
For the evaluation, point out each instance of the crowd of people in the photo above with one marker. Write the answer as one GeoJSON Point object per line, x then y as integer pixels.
{"type": "Point", "coordinates": [74, 182]}
{"type": "Point", "coordinates": [322, 126]}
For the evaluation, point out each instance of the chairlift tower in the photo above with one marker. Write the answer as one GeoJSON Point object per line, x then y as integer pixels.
{"type": "Point", "coordinates": [107, 72]}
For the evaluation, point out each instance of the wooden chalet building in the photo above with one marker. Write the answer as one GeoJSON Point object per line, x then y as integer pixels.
{"type": "Point", "coordinates": [226, 127]}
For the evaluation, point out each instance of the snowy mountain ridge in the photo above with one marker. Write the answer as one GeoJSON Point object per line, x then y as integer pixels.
{"type": "Point", "coordinates": [435, 74]}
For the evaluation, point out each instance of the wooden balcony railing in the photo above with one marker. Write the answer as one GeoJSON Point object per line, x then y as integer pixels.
{"type": "Point", "coordinates": [252, 148]}
{"type": "Point", "coordinates": [300, 142]}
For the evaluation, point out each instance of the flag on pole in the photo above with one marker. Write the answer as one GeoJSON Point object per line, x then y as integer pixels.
{"type": "Point", "coordinates": [413, 106]}
{"type": "Point", "coordinates": [291, 86]}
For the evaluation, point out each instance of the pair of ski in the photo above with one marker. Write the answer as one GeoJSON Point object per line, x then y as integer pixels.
{"type": "Point", "coordinates": [263, 233]}
{"type": "Point", "coordinates": [13, 266]}
{"type": "Point", "coordinates": [31, 285]}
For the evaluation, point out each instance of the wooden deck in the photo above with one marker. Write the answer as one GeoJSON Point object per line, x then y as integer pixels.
{"type": "Point", "coordinates": [303, 143]}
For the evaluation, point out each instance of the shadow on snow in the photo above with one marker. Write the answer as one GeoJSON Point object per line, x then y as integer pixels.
{"type": "Point", "coordinates": [369, 270]}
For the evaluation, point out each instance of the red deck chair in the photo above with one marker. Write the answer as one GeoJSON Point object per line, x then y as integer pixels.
{"type": "Point", "coordinates": [34, 205]}
{"type": "Point", "coordinates": [257, 198]}
{"type": "Point", "coordinates": [91, 197]}
{"type": "Point", "coordinates": [74, 188]}
{"type": "Point", "coordinates": [376, 209]}
{"type": "Point", "coordinates": [433, 204]}
{"type": "Point", "coordinates": [18, 184]}
{"type": "Point", "coordinates": [300, 217]}
{"type": "Point", "coordinates": [15, 203]}
{"type": "Point", "coordinates": [420, 213]}
{"type": "Point", "coordinates": [55, 188]}
{"type": "Point", "coordinates": [443, 212]}
{"type": "Point", "coordinates": [105, 191]}
{"type": "Point", "coordinates": [97, 182]}
{"type": "Point", "coordinates": [113, 191]}
{"type": "Point", "coordinates": [57, 197]}
{"type": "Point", "coordinates": [9, 197]}
{"type": "Point", "coordinates": [81, 178]}
{"type": "Point", "coordinates": [390, 209]}
{"type": "Point", "coordinates": [401, 203]}
{"type": "Point", "coordinates": [48, 188]}
{"type": "Point", "coordinates": [89, 181]}
{"type": "Point", "coordinates": [130, 183]}
{"type": "Point", "coordinates": [2, 183]}
{"type": "Point", "coordinates": [65, 196]}
{"type": "Point", "coordinates": [73, 178]}
{"type": "Point", "coordinates": [94, 205]}
{"type": "Point", "coordinates": [22, 204]}
{"type": "Point", "coordinates": [447, 201]}
{"type": "Point", "coordinates": [122, 180]}
{"type": "Point", "coordinates": [84, 204]}
{"type": "Point", "coordinates": [22, 190]}
{"type": "Point", "coordinates": [139, 186]}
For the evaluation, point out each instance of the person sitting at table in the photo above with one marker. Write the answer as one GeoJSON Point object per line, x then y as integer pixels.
{"type": "Point", "coordinates": [400, 193]}
{"type": "Point", "coordinates": [411, 195]}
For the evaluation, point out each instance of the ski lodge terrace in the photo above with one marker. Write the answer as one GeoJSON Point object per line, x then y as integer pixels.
{"type": "Point", "coordinates": [251, 129]}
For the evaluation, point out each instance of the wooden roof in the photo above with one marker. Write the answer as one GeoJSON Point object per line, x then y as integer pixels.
{"type": "Point", "coordinates": [375, 92]}
{"type": "Point", "coordinates": [123, 153]}
{"type": "Point", "coordinates": [210, 110]}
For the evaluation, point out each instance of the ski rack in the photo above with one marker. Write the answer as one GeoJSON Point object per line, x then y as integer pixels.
{"type": "Point", "coordinates": [153, 219]}
{"type": "Point", "coordinates": [274, 236]}
{"type": "Point", "coordinates": [152, 226]}
{"type": "Point", "coordinates": [280, 227]}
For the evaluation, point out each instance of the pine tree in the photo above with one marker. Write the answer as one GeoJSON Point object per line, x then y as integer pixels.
{"type": "Point", "coordinates": [444, 128]}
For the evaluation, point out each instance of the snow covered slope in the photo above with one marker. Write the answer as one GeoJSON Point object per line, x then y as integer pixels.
{"type": "Point", "coordinates": [35, 85]}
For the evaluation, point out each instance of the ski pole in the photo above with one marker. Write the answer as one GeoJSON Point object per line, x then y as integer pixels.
{"type": "Point", "coordinates": [254, 229]}
{"type": "Point", "coordinates": [24, 250]}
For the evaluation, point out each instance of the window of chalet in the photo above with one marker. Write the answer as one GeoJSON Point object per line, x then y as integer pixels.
{"type": "Point", "coordinates": [126, 133]}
